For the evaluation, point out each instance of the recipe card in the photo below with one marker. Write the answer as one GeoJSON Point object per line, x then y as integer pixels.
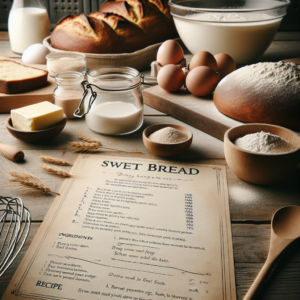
{"type": "Point", "coordinates": [127, 228]}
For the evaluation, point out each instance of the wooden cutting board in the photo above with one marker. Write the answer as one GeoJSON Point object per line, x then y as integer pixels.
{"type": "Point", "coordinates": [13, 101]}
{"type": "Point", "coordinates": [199, 112]}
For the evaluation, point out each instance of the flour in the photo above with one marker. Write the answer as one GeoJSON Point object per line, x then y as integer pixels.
{"type": "Point", "coordinates": [272, 80]}
{"type": "Point", "coordinates": [168, 135]}
{"type": "Point", "coordinates": [229, 17]}
{"type": "Point", "coordinates": [263, 142]}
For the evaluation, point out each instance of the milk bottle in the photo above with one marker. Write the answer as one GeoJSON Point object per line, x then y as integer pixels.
{"type": "Point", "coordinates": [28, 24]}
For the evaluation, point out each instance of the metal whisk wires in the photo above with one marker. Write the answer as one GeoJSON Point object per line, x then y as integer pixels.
{"type": "Point", "coordinates": [15, 221]}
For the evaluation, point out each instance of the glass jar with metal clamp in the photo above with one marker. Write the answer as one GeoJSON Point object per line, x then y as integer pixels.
{"type": "Point", "coordinates": [112, 100]}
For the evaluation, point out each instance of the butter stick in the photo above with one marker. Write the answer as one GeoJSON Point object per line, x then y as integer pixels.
{"type": "Point", "coordinates": [36, 116]}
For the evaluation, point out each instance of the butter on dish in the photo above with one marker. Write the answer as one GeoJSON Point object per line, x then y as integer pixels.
{"type": "Point", "coordinates": [37, 116]}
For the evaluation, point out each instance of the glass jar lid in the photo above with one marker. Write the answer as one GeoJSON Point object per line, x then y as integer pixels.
{"type": "Point", "coordinates": [115, 78]}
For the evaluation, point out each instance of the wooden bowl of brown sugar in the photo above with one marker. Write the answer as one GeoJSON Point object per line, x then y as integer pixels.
{"type": "Point", "coordinates": [261, 168]}
{"type": "Point", "coordinates": [166, 148]}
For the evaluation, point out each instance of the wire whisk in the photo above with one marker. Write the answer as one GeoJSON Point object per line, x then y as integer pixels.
{"type": "Point", "coordinates": [15, 221]}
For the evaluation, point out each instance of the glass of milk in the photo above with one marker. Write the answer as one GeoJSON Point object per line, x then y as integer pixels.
{"type": "Point", "coordinates": [113, 102]}
{"type": "Point", "coordinates": [28, 23]}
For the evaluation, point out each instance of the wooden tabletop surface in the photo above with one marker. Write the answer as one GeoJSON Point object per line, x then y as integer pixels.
{"type": "Point", "coordinates": [251, 206]}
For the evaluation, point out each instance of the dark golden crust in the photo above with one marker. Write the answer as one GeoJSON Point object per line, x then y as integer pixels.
{"type": "Point", "coordinates": [118, 27]}
{"type": "Point", "coordinates": [23, 85]}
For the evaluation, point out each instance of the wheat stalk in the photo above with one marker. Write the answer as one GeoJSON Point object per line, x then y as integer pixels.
{"type": "Point", "coordinates": [88, 139]}
{"type": "Point", "coordinates": [53, 160]}
{"type": "Point", "coordinates": [91, 143]}
{"type": "Point", "coordinates": [28, 180]}
{"type": "Point", "coordinates": [56, 171]}
{"type": "Point", "coordinates": [80, 146]}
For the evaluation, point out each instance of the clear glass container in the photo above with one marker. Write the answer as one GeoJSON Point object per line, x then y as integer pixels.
{"type": "Point", "coordinates": [61, 62]}
{"type": "Point", "coordinates": [113, 103]}
{"type": "Point", "coordinates": [68, 92]}
{"type": "Point", "coordinates": [242, 29]}
{"type": "Point", "coordinates": [28, 23]}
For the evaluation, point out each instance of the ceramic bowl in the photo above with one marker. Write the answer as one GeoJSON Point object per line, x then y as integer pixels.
{"type": "Point", "coordinates": [166, 149]}
{"type": "Point", "coordinates": [38, 135]}
{"type": "Point", "coordinates": [261, 168]}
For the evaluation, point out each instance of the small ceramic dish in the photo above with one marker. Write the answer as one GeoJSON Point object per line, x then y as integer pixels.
{"type": "Point", "coordinates": [166, 149]}
{"type": "Point", "coordinates": [261, 168]}
{"type": "Point", "coordinates": [38, 135]}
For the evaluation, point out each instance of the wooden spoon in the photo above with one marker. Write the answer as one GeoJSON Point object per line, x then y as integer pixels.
{"type": "Point", "coordinates": [284, 230]}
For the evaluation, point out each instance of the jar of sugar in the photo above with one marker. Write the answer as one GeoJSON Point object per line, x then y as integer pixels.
{"type": "Point", "coordinates": [68, 92]}
{"type": "Point", "coordinates": [112, 101]}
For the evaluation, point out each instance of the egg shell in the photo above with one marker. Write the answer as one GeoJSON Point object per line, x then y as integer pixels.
{"type": "Point", "coordinates": [225, 63]}
{"type": "Point", "coordinates": [170, 52]}
{"type": "Point", "coordinates": [170, 78]}
{"type": "Point", "coordinates": [203, 58]}
{"type": "Point", "coordinates": [201, 81]}
{"type": "Point", "coordinates": [35, 54]}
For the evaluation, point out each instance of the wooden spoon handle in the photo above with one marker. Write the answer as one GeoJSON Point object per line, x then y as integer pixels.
{"type": "Point", "coordinates": [294, 60]}
{"type": "Point", "coordinates": [259, 281]}
{"type": "Point", "coordinates": [11, 152]}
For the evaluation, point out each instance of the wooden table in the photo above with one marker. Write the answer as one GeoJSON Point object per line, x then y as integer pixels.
{"type": "Point", "coordinates": [251, 206]}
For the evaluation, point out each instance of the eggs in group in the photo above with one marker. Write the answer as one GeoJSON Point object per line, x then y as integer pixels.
{"type": "Point", "coordinates": [204, 73]}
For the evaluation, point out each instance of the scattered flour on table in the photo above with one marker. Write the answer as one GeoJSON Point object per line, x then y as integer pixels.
{"type": "Point", "coordinates": [263, 142]}
{"type": "Point", "coordinates": [168, 135]}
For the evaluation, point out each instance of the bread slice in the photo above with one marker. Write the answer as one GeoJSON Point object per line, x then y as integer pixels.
{"type": "Point", "coordinates": [16, 78]}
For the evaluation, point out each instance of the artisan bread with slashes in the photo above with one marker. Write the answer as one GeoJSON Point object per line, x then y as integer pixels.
{"type": "Point", "coordinates": [118, 27]}
{"type": "Point", "coordinates": [16, 78]}
{"type": "Point", "coordinates": [262, 93]}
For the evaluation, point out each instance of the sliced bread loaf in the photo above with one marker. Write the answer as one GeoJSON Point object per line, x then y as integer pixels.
{"type": "Point", "coordinates": [16, 78]}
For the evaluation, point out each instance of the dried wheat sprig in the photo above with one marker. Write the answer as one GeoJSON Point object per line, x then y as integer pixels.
{"type": "Point", "coordinates": [88, 139]}
{"type": "Point", "coordinates": [54, 160]}
{"type": "Point", "coordinates": [137, 152]}
{"type": "Point", "coordinates": [56, 171]}
{"type": "Point", "coordinates": [28, 180]}
{"type": "Point", "coordinates": [80, 146]}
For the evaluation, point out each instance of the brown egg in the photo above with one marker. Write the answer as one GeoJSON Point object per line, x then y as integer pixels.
{"type": "Point", "coordinates": [201, 81]}
{"type": "Point", "coordinates": [170, 52]}
{"type": "Point", "coordinates": [225, 63]}
{"type": "Point", "coordinates": [203, 58]}
{"type": "Point", "coordinates": [170, 78]}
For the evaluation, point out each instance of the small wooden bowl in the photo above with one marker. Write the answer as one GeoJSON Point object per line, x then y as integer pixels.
{"type": "Point", "coordinates": [166, 149]}
{"type": "Point", "coordinates": [261, 168]}
{"type": "Point", "coordinates": [38, 135]}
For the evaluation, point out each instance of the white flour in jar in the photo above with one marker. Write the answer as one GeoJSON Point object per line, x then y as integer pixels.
{"type": "Point", "coordinates": [263, 142]}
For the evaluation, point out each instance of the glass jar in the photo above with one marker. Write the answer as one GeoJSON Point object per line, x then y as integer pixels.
{"type": "Point", "coordinates": [113, 102]}
{"type": "Point", "coordinates": [68, 92]}
{"type": "Point", "coordinates": [28, 23]}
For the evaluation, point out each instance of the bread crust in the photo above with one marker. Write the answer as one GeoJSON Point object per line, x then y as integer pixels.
{"type": "Point", "coordinates": [118, 27]}
{"type": "Point", "coordinates": [234, 101]}
{"type": "Point", "coordinates": [23, 85]}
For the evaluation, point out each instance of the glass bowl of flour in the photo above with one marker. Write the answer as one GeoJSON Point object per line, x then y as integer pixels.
{"type": "Point", "coordinates": [242, 29]}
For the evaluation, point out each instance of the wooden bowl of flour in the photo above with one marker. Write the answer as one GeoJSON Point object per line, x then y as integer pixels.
{"type": "Point", "coordinates": [261, 168]}
{"type": "Point", "coordinates": [163, 149]}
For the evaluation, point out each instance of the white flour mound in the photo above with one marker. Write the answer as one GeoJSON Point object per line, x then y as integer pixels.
{"type": "Point", "coordinates": [263, 142]}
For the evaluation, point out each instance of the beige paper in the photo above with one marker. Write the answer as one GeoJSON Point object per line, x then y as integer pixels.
{"type": "Point", "coordinates": [127, 228]}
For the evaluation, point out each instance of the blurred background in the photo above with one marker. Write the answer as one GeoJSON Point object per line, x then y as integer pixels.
{"type": "Point", "coordinates": [59, 8]}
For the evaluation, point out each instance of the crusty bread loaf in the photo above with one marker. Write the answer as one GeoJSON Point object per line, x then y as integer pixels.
{"type": "Point", "coordinates": [118, 27]}
{"type": "Point", "coordinates": [262, 93]}
{"type": "Point", "coordinates": [16, 78]}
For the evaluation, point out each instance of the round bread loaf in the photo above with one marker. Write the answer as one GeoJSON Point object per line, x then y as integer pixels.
{"type": "Point", "coordinates": [262, 93]}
